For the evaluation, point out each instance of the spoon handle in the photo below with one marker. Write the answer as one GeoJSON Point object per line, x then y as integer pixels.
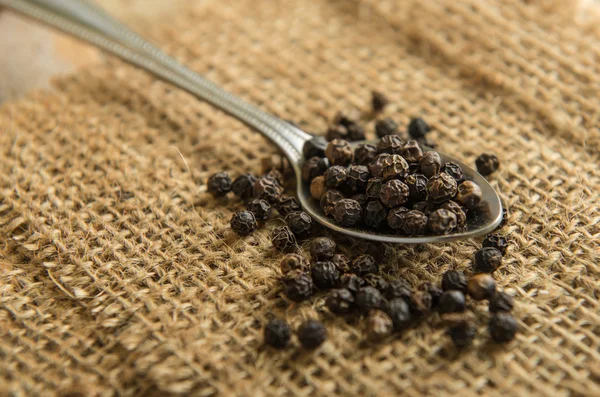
{"type": "Point", "coordinates": [90, 23]}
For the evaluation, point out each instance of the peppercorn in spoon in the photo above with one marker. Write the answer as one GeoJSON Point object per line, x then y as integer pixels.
{"type": "Point", "coordinates": [86, 21]}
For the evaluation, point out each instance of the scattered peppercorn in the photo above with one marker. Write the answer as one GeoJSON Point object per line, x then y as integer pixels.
{"type": "Point", "coordinates": [267, 189]}
{"type": "Point", "coordinates": [219, 184]}
{"type": "Point", "coordinates": [287, 205]}
{"type": "Point", "coordinates": [469, 194]}
{"type": "Point", "coordinates": [347, 212]}
{"type": "Point", "coordinates": [487, 260]}
{"type": "Point", "coordinates": [482, 286]}
{"type": "Point", "coordinates": [496, 241]}
{"type": "Point", "coordinates": [431, 163]}
{"type": "Point", "coordinates": [340, 301]}
{"type": "Point", "coordinates": [243, 223]}
{"type": "Point", "coordinates": [329, 199]}
{"type": "Point", "coordinates": [364, 264]}
{"type": "Point", "coordinates": [399, 312]}
{"type": "Point", "coordinates": [375, 214]}
{"type": "Point", "coordinates": [487, 163]}
{"type": "Point", "coordinates": [312, 334]}
{"type": "Point", "coordinates": [454, 279]}
{"type": "Point", "coordinates": [322, 249]}
{"type": "Point", "coordinates": [347, 117]}
{"type": "Point", "coordinates": [365, 153]}
{"type": "Point", "coordinates": [501, 302]}
{"type": "Point", "coordinates": [277, 333]}
{"type": "Point", "coordinates": [300, 223]}
{"type": "Point", "coordinates": [260, 208]}
{"type": "Point", "coordinates": [418, 128]}
{"type": "Point", "coordinates": [398, 289]}
{"type": "Point", "coordinates": [379, 101]}
{"type": "Point", "coordinates": [297, 285]}
{"type": "Point", "coordinates": [355, 132]}
{"type": "Point", "coordinates": [503, 327]}
{"type": "Point", "coordinates": [379, 325]}
{"type": "Point", "coordinates": [441, 221]}
{"type": "Point", "coordinates": [454, 171]}
{"type": "Point", "coordinates": [385, 127]}
{"type": "Point", "coordinates": [283, 239]}
{"type": "Point", "coordinates": [337, 131]}
{"type": "Point", "coordinates": [441, 187]}
{"type": "Point", "coordinates": [293, 262]}
{"type": "Point", "coordinates": [242, 186]}
{"type": "Point", "coordinates": [314, 147]}
{"type": "Point", "coordinates": [325, 275]}
{"type": "Point", "coordinates": [462, 334]}
{"type": "Point", "coordinates": [368, 298]}
{"type": "Point", "coordinates": [452, 301]}
{"type": "Point", "coordinates": [339, 152]}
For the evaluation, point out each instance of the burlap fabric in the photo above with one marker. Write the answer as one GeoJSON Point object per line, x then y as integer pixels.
{"type": "Point", "coordinates": [120, 275]}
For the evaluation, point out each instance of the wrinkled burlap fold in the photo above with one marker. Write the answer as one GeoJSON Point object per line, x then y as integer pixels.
{"type": "Point", "coordinates": [119, 274]}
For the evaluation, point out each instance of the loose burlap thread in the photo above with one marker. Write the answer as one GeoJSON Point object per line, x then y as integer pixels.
{"type": "Point", "coordinates": [120, 275]}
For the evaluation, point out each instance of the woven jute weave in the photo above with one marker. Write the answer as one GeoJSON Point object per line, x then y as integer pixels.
{"type": "Point", "coordinates": [119, 274]}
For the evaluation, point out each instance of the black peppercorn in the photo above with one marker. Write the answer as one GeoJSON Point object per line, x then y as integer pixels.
{"type": "Point", "coordinates": [390, 144]}
{"type": "Point", "coordinates": [318, 188]}
{"type": "Point", "coordinates": [219, 184]}
{"type": "Point", "coordinates": [496, 241]}
{"type": "Point", "coordinates": [313, 167]}
{"type": "Point", "coordinates": [411, 151]}
{"type": "Point", "coordinates": [454, 279]}
{"type": "Point", "coordinates": [339, 152]}
{"type": "Point", "coordinates": [355, 132]}
{"type": "Point", "coordinates": [375, 214]}
{"type": "Point", "coordinates": [457, 209]}
{"type": "Point", "coordinates": [300, 223]}
{"type": "Point", "coordinates": [340, 301]}
{"type": "Point", "coordinates": [342, 263]}
{"type": "Point", "coordinates": [417, 186]}
{"type": "Point", "coordinates": [441, 187]}
{"type": "Point", "coordinates": [469, 194]}
{"type": "Point", "coordinates": [379, 325]}
{"type": "Point", "coordinates": [487, 260]}
{"type": "Point", "coordinates": [394, 167]}
{"type": "Point", "coordinates": [293, 262]}
{"type": "Point", "coordinates": [260, 208]}
{"type": "Point", "coordinates": [501, 302]}
{"type": "Point", "coordinates": [385, 127]}
{"type": "Point", "coordinates": [325, 275]}
{"type": "Point", "coordinates": [434, 291]}
{"type": "Point", "coordinates": [368, 298]}
{"type": "Point", "coordinates": [425, 207]}
{"type": "Point", "coordinates": [352, 282]}
{"type": "Point", "coordinates": [347, 117]}
{"type": "Point", "coordinates": [267, 189]}
{"type": "Point", "coordinates": [347, 212]}
{"type": "Point", "coordinates": [399, 312]}
{"type": "Point", "coordinates": [452, 301]}
{"type": "Point", "coordinates": [394, 193]}
{"type": "Point", "coordinates": [373, 188]}
{"type": "Point", "coordinates": [314, 147]}
{"type": "Point", "coordinates": [312, 334]}
{"type": "Point", "coordinates": [462, 334]}
{"type": "Point", "coordinates": [275, 175]}
{"type": "Point", "coordinates": [243, 185]}
{"type": "Point", "coordinates": [337, 131]}
{"type": "Point", "coordinates": [283, 239]}
{"type": "Point", "coordinates": [277, 333]}
{"type": "Point", "coordinates": [335, 176]}
{"type": "Point", "coordinates": [287, 205]}
{"type": "Point", "coordinates": [358, 176]}
{"type": "Point", "coordinates": [418, 128]}
{"type": "Point", "coordinates": [376, 166]}
{"type": "Point", "coordinates": [365, 153]}
{"type": "Point", "coordinates": [426, 143]}
{"type": "Point", "coordinates": [243, 223]}
{"type": "Point", "coordinates": [361, 199]}
{"type": "Point", "coordinates": [364, 264]}
{"type": "Point", "coordinates": [487, 163]}
{"type": "Point", "coordinates": [431, 163]}
{"type": "Point", "coordinates": [376, 281]}
{"type": "Point", "coordinates": [379, 101]}
{"type": "Point", "coordinates": [398, 289]}
{"type": "Point", "coordinates": [420, 303]}
{"type": "Point", "coordinates": [503, 327]}
{"type": "Point", "coordinates": [454, 171]}
{"type": "Point", "coordinates": [481, 286]}
{"type": "Point", "coordinates": [297, 285]}
{"type": "Point", "coordinates": [322, 249]}
{"type": "Point", "coordinates": [414, 223]}
{"type": "Point", "coordinates": [395, 218]}
{"type": "Point", "coordinates": [329, 199]}
{"type": "Point", "coordinates": [441, 221]}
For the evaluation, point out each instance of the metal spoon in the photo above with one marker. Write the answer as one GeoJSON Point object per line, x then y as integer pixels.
{"type": "Point", "coordinates": [88, 22]}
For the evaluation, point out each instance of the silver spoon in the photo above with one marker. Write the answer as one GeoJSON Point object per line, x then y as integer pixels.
{"type": "Point", "coordinates": [88, 22]}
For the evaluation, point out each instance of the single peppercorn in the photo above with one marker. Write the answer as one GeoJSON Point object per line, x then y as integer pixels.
{"type": "Point", "coordinates": [335, 176]}
{"type": "Point", "coordinates": [376, 166]}
{"type": "Point", "coordinates": [441, 221]}
{"type": "Point", "coordinates": [454, 171]}
{"type": "Point", "coordinates": [339, 152]}
{"type": "Point", "coordinates": [394, 167]}
{"type": "Point", "coordinates": [325, 275]}
{"type": "Point", "coordinates": [481, 286]}
{"type": "Point", "coordinates": [277, 333]}
{"type": "Point", "coordinates": [487, 260]}
{"type": "Point", "coordinates": [364, 264]}
{"type": "Point", "coordinates": [365, 153]}
{"type": "Point", "coordinates": [287, 205]}
{"type": "Point", "coordinates": [385, 127]}
{"type": "Point", "coordinates": [283, 239]}
{"type": "Point", "coordinates": [503, 327]}
{"type": "Point", "coordinates": [457, 209]}
{"type": "Point", "coordinates": [496, 241]}
{"type": "Point", "coordinates": [414, 223]}
{"type": "Point", "coordinates": [398, 289]}
{"type": "Point", "coordinates": [368, 298]}
{"type": "Point", "coordinates": [452, 301]}
{"type": "Point", "coordinates": [418, 128]}
{"type": "Point", "coordinates": [355, 132]}
{"type": "Point", "coordinates": [462, 334]}
{"type": "Point", "coordinates": [352, 282]}
{"type": "Point", "coordinates": [314, 167]}
{"type": "Point", "coordinates": [340, 301]}
{"type": "Point", "coordinates": [431, 163]}
{"type": "Point", "coordinates": [219, 184]}
{"type": "Point", "coordinates": [376, 281]}
{"type": "Point", "coordinates": [329, 199]}
{"type": "Point", "coordinates": [300, 223]}
{"type": "Point", "coordinates": [469, 194]}
{"type": "Point", "coordinates": [293, 262]}
{"type": "Point", "coordinates": [411, 151]}
{"type": "Point", "coordinates": [317, 187]}
{"type": "Point", "coordinates": [399, 312]}
{"type": "Point", "coordinates": [358, 176]}
{"type": "Point", "coordinates": [322, 249]}
{"type": "Point", "coordinates": [373, 188]}
{"type": "Point", "coordinates": [260, 208]}
{"type": "Point", "coordinates": [297, 285]}
{"type": "Point", "coordinates": [347, 212]}
{"type": "Point", "coordinates": [501, 302]}
{"type": "Point", "coordinates": [337, 131]}
{"type": "Point", "coordinates": [375, 214]}
{"type": "Point", "coordinates": [312, 334]}
{"type": "Point", "coordinates": [314, 147]}
{"type": "Point", "coordinates": [487, 163]}
{"type": "Point", "coordinates": [242, 186]}
{"type": "Point", "coordinates": [378, 326]}
{"type": "Point", "coordinates": [342, 263]}
{"type": "Point", "coordinates": [417, 186]}
{"type": "Point", "coordinates": [441, 187]}
{"type": "Point", "coordinates": [390, 144]}
{"type": "Point", "coordinates": [243, 223]}
{"type": "Point", "coordinates": [379, 101]}
{"type": "Point", "coordinates": [267, 189]}
{"type": "Point", "coordinates": [395, 218]}
{"type": "Point", "coordinates": [454, 279]}
{"type": "Point", "coordinates": [394, 193]}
